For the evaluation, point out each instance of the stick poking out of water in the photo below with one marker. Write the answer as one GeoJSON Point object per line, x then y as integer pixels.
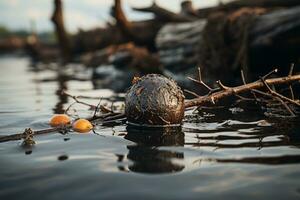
{"type": "Point", "coordinates": [225, 91]}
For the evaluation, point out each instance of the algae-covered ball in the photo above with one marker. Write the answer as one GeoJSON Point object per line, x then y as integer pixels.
{"type": "Point", "coordinates": [154, 100]}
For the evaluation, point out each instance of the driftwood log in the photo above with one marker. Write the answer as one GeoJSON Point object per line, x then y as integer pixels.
{"type": "Point", "coordinates": [237, 4]}
{"type": "Point", "coordinates": [178, 44]}
{"type": "Point", "coordinates": [162, 14]}
{"type": "Point", "coordinates": [253, 35]}
{"type": "Point", "coordinates": [248, 39]}
{"type": "Point", "coordinates": [144, 32]}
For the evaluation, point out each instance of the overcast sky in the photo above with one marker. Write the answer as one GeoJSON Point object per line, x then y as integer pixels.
{"type": "Point", "coordinates": [85, 14]}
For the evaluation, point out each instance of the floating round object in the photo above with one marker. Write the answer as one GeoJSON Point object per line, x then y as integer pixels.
{"type": "Point", "coordinates": [154, 100]}
{"type": "Point", "coordinates": [60, 120]}
{"type": "Point", "coordinates": [82, 126]}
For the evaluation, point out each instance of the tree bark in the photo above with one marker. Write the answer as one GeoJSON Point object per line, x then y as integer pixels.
{"type": "Point", "coordinates": [141, 33]}
{"type": "Point", "coordinates": [234, 5]}
{"type": "Point", "coordinates": [229, 91]}
{"type": "Point", "coordinates": [62, 36]}
{"type": "Point", "coordinates": [165, 15]}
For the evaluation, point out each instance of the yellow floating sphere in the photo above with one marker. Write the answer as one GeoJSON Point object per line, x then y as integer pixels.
{"type": "Point", "coordinates": [59, 120]}
{"type": "Point", "coordinates": [82, 126]}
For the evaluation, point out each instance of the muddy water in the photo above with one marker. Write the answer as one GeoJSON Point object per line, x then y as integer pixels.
{"type": "Point", "coordinates": [224, 154]}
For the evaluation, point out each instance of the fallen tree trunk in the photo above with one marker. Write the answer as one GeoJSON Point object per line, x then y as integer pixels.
{"type": "Point", "coordinates": [274, 41]}
{"type": "Point", "coordinates": [141, 33]}
{"type": "Point", "coordinates": [237, 4]}
{"type": "Point", "coordinates": [248, 38]}
{"type": "Point", "coordinates": [179, 44]}
{"type": "Point", "coordinates": [95, 39]}
{"type": "Point", "coordinates": [162, 14]}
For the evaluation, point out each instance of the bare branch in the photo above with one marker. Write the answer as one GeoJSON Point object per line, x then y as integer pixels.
{"type": "Point", "coordinates": [279, 95]}
{"type": "Point", "coordinates": [192, 93]}
{"type": "Point", "coordinates": [240, 89]}
{"type": "Point", "coordinates": [290, 87]}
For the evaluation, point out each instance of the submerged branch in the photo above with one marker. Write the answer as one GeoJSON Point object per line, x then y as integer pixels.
{"type": "Point", "coordinates": [30, 132]}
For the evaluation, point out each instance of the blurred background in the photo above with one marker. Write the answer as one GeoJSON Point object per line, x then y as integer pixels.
{"type": "Point", "coordinates": [17, 15]}
{"type": "Point", "coordinates": [122, 39]}
{"type": "Point", "coordinates": [55, 51]}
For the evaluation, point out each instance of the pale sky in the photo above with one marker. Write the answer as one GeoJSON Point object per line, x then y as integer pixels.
{"type": "Point", "coordinates": [85, 14]}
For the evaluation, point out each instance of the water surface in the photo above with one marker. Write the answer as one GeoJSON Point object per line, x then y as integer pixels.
{"type": "Point", "coordinates": [222, 154]}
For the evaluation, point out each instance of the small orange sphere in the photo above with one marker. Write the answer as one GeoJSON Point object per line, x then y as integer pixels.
{"type": "Point", "coordinates": [82, 126]}
{"type": "Point", "coordinates": [59, 120]}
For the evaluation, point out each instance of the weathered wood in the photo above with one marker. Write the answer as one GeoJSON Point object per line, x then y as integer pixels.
{"type": "Point", "coordinates": [162, 14]}
{"type": "Point", "coordinates": [267, 27]}
{"type": "Point", "coordinates": [187, 9]}
{"type": "Point", "coordinates": [141, 33]}
{"type": "Point", "coordinates": [213, 98]}
{"type": "Point", "coordinates": [98, 38]}
{"type": "Point", "coordinates": [237, 4]}
{"type": "Point", "coordinates": [231, 42]}
{"type": "Point", "coordinates": [274, 41]}
{"type": "Point", "coordinates": [178, 44]}
{"type": "Point", "coordinates": [62, 36]}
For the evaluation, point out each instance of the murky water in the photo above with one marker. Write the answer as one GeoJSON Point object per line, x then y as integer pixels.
{"type": "Point", "coordinates": [225, 154]}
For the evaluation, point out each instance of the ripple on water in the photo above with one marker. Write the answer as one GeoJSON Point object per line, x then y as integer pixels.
{"type": "Point", "coordinates": [212, 156]}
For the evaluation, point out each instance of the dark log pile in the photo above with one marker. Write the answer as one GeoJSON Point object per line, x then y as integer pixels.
{"type": "Point", "coordinates": [251, 39]}
{"type": "Point", "coordinates": [253, 35]}
{"type": "Point", "coordinates": [179, 44]}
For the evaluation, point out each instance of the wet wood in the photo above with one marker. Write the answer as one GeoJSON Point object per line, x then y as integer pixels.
{"type": "Point", "coordinates": [141, 33]}
{"type": "Point", "coordinates": [267, 27]}
{"type": "Point", "coordinates": [162, 14]}
{"type": "Point", "coordinates": [62, 35]}
{"type": "Point", "coordinates": [179, 44]}
{"type": "Point", "coordinates": [237, 4]}
{"type": "Point", "coordinates": [247, 37]}
{"type": "Point", "coordinates": [229, 91]}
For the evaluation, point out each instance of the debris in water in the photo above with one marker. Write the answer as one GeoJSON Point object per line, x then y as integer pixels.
{"type": "Point", "coordinates": [59, 120]}
{"type": "Point", "coordinates": [82, 126]}
{"type": "Point", "coordinates": [154, 100]}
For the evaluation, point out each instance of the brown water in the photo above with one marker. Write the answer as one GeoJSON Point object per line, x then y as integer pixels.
{"type": "Point", "coordinates": [221, 155]}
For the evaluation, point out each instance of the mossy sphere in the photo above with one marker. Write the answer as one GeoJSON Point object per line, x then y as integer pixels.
{"type": "Point", "coordinates": [154, 100]}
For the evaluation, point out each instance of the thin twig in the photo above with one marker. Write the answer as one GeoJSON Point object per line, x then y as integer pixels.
{"type": "Point", "coordinates": [78, 101]}
{"type": "Point", "coordinates": [240, 89]}
{"type": "Point", "coordinates": [223, 87]}
{"type": "Point", "coordinates": [192, 93]}
{"type": "Point", "coordinates": [279, 95]}
{"type": "Point", "coordinates": [290, 86]}
{"type": "Point", "coordinates": [97, 108]}
{"type": "Point", "coordinates": [270, 73]}
{"type": "Point", "coordinates": [199, 81]}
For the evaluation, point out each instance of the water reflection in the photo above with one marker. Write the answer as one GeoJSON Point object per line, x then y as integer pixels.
{"type": "Point", "coordinates": [276, 160]}
{"type": "Point", "coordinates": [62, 99]}
{"type": "Point", "coordinates": [28, 152]}
{"type": "Point", "coordinates": [63, 157]}
{"type": "Point", "coordinates": [241, 155]}
{"type": "Point", "coordinates": [146, 155]}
